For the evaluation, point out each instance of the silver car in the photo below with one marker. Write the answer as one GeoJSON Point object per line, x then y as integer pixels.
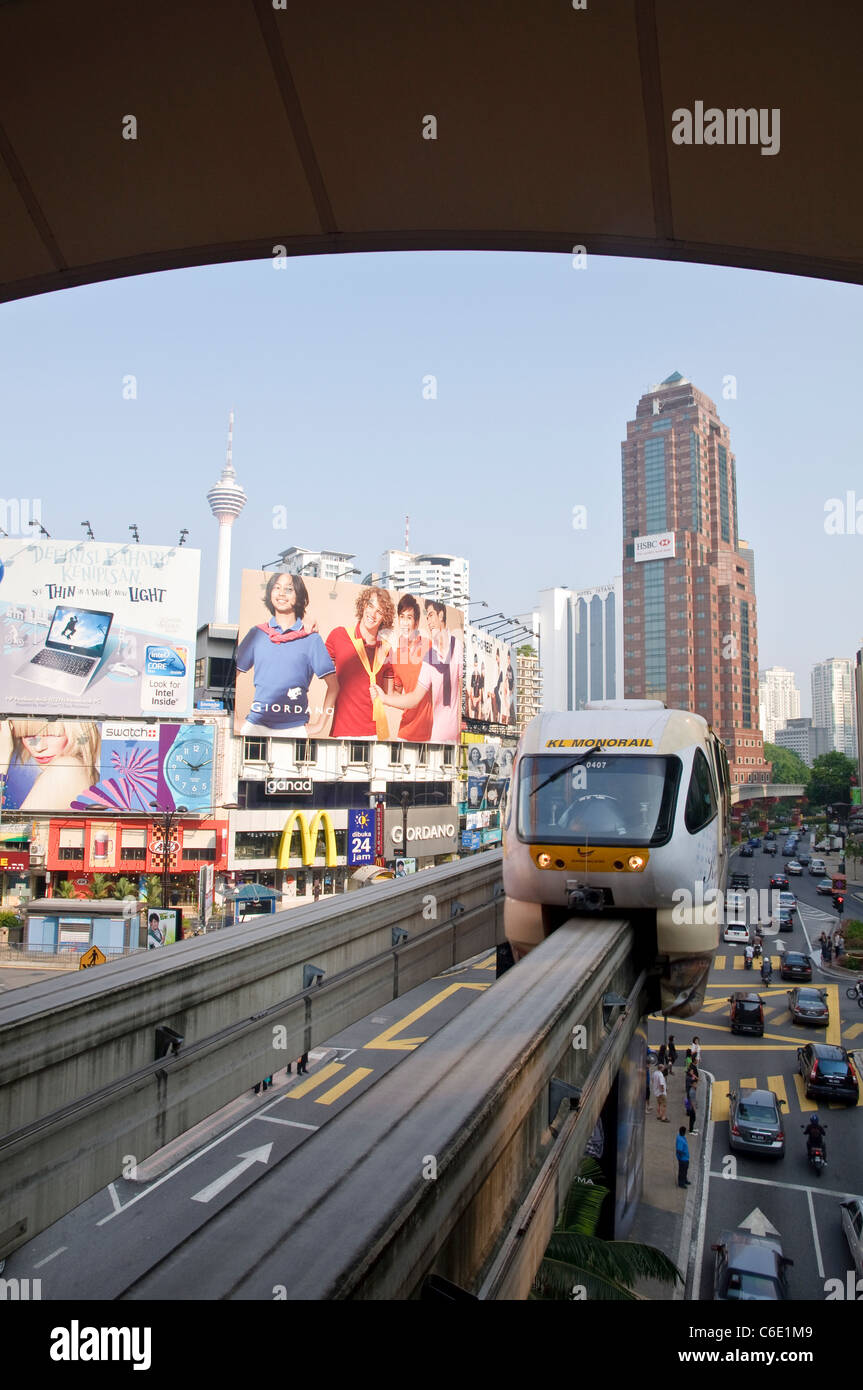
{"type": "Point", "coordinates": [852, 1225]}
{"type": "Point", "coordinates": [755, 1123]}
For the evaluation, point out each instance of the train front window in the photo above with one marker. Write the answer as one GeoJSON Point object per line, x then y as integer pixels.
{"type": "Point", "coordinates": [626, 799]}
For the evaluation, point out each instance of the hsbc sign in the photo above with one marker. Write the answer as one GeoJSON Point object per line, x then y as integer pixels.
{"type": "Point", "coordinates": [659, 546]}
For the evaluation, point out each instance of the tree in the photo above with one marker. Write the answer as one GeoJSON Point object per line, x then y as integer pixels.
{"type": "Point", "coordinates": [101, 886]}
{"type": "Point", "coordinates": [126, 888]}
{"type": "Point", "coordinates": [830, 780]}
{"type": "Point", "coordinates": [65, 889]}
{"type": "Point", "coordinates": [576, 1257]}
{"type": "Point", "coordinates": [788, 769]}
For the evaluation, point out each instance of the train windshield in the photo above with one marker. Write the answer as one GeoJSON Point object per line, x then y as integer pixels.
{"type": "Point", "coordinates": [625, 799]}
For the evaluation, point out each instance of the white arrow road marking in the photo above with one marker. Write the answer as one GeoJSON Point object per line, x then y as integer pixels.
{"type": "Point", "coordinates": [757, 1224]}
{"type": "Point", "coordinates": [261, 1155]}
{"type": "Point", "coordinates": [52, 1256]}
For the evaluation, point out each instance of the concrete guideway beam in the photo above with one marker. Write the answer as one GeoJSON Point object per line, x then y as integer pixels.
{"type": "Point", "coordinates": [72, 1142]}
{"type": "Point", "coordinates": [426, 1169]}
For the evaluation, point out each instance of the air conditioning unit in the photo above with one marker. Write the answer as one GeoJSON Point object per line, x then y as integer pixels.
{"type": "Point", "coordinates": [37, 854]}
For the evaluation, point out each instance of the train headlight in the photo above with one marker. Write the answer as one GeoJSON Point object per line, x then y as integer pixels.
{"type": "Point", "coordinates": [636, 861]}
{"type": "Point", "coordinates": [543, 860]}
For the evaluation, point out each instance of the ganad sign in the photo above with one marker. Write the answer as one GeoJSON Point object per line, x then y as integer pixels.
{"type": "Point", "coordinates": [288, 786]}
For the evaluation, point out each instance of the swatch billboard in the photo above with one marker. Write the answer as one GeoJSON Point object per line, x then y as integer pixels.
{"type": "Point", "coordinates": [489, 688]}
{"type": "Point", "coordinates": [78, 765]}
{"type": "Point", "coordinates": [317, 659]}
{"type": "Point", "coordinates": [90, 629]}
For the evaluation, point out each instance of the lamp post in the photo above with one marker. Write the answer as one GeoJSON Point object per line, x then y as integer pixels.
{"type": "Point", "coordinates": [169, 819]}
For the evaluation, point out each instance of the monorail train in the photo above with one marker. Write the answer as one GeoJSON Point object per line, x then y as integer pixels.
{"type": "Point", "coordinates": [623, 806]}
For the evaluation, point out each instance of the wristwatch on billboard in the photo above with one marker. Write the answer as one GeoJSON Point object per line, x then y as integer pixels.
{"type": "Point", "coordinates": [188, 769]}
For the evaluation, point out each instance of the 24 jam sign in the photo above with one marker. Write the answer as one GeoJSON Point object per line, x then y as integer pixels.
{"type": "Point", "coordinates": [360, 833]}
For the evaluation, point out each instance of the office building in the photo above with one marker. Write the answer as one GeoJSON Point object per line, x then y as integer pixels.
{"type": "Point", "coordinates": [778, 700]}
{"type": "Point", "coordinates": [445, 577]}
{"type": "Point", "coordinates": [833, 703]}
{"type": "Point", "coordinates": [581, 645]}
{"type": "Point", "coordinates": [804, 738]}
{"type": "Point", "coordinates": [315, 564]}
{"type": "Point", "coordinates": [689, 614]}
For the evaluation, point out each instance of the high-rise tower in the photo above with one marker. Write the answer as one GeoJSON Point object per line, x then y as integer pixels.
{"type": "Point", "coordinates": [690, 632]}
{"type": "Point", "coordinates": [227, 499]}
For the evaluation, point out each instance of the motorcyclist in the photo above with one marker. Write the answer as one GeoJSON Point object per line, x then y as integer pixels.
{"type": "Point", "coordinates": [766, 970]}
{"type": "Point", "coordinates": [749, 953]}
{"type": "Point", "coordinates": [814, 1132]}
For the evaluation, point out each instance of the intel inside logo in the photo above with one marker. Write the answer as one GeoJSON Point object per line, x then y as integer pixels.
{"type": "Point", "coordinates": [164, 661]}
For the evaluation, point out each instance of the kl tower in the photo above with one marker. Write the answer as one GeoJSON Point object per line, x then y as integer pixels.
{"type": "Point", "coordinates": [227, 499]}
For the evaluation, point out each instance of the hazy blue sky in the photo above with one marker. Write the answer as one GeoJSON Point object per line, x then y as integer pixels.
{"type": "Point", "coordinates": [538, 368]}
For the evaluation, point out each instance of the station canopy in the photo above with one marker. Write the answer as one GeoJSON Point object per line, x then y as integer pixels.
{"type": "Point", "coordinates": [187, 132]}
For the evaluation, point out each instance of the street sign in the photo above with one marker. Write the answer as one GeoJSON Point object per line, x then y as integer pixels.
{"type": "Point", "coordinates": [92, 957]}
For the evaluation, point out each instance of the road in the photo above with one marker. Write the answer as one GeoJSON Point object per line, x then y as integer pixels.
{"type": "Point", "coordinates": [783, 1196]}
{"type": "Point", "coordinates": [129, 1230]}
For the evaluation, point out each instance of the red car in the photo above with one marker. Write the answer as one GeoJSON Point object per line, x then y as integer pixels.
{"type": "Point", "coordinates": [778, 881]}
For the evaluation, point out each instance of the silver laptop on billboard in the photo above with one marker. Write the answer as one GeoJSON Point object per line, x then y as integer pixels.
{"type": "Point", "coordinates": [73, 649]}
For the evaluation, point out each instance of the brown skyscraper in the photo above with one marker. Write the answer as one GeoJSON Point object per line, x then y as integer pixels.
{"type": "Point", "coordinates": [690, 631]}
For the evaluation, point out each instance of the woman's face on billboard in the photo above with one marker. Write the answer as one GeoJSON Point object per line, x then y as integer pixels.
{"type": "Point", "coordinates": [45, 747]}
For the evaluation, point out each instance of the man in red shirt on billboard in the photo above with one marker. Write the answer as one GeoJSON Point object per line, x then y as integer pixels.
{"type": "Point", "coordinates": [362, 661]}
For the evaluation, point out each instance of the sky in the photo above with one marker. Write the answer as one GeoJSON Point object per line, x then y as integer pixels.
{"type": "Point", "coordinates": [537, 367]}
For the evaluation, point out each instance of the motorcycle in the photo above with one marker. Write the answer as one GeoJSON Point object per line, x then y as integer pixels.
{"type": "Point", "coordinates": [815, 1152]}
{"type": "Point", "coordinates": [757, 948]}
{"type": "Point", "coordinates": [747, 962]}
{"type": "Point", "coordinates": [766, 973]}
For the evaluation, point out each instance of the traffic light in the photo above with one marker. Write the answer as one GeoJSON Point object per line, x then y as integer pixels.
{"type": "Point", "coordinates": [839, 903]}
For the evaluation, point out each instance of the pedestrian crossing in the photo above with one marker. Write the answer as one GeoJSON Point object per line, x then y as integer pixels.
{"type": "Point", "coordinates": [739, 963]}
{"type": "Point", "coordinates": [719, 1104]}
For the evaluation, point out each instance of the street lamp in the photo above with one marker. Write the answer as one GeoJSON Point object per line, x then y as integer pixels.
{"type": "Point", "coordinates": [169, 820]}
{"type": "Point", "coordinates": [480, 623]}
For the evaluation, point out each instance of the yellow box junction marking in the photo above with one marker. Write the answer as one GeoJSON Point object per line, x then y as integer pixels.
{"type": "Point", "coordinates": [719, 1106]}
{"type": "Point", "coordinates": [719, 962]}
{"type": "Point", "coordinates": [854, 1031]}
{"type": "Point", "coordinates": [346, 1084]}
{"type": "Point", "coordinates": [388, 1041]}
{"type": "Point", "coordinates": [801, 1094]}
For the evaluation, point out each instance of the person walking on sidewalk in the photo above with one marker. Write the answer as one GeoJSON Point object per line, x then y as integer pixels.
{"type": "Point", "coordinates": [696, 1051]}
{"type": "Point", "coordinates": [689, 1104]}
{"type": "Point", "coordinates": [302, 1065]}
{"type": "Point", "coordinates": [660, 1091]}
{"type": "Point", "coordinates": [672, 1054]}
{"type": "Point", "coordinates": [681, 1149]}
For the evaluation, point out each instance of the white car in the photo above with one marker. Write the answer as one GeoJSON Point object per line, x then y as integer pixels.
{"type": "Point", "coordinates": [736, 933]}
{"type": "Point", "coordinates": [852, 1225]}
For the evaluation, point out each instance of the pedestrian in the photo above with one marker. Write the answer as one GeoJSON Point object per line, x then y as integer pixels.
{"type": "Point", "coordinates": [689, 1105]}
{"type": "Point", "coordinates": [672, 1054]}
{"type": "Point", "coordinates": [660, 1091]}
{"type": "Point", "coordinates": [687, 1061]}
{"type": "Point", "coordinates": [302, 1069]}
{"type": "Point", "coordinates": [839, 943]}
{"type": "Point", "coordinates": [681, 1149]}
{"type": "Point", "coordinates": [696, 1051]}
{"type": "Point", "coordinates": [662, 1056]}
{"type": "Point", "coordinates": [268, 1082]}
{"type": "Point", "coordinates": [647, 1085]}
{"type": "Point", "coordinates": [691, 1077]}
{"type": "Point", "coordinates": [316, 889]}
{"type": "Point", "coordinates": [826, 953]}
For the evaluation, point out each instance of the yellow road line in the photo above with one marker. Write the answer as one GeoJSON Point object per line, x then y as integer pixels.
{"type": "Point", "coordinates": [718, 962]}
{"type": "Point", "coordinates": [352, 1079]}
{"type": "Point", "coordinates": [315, 1080]}
{"type": "Point", "coordinates": [387, 1040]}
{"type": "Point", "coordinates": [719, 1100]}
{"type": "Point", "coordinates": [801, 1094]}
{"type": "Point", "coordinates": [777, 1085]}
{"type": "Point", "coordinates": [749, 1082]}
{"type": "Point", "coordinates": [854, 1031]}
{"type": "Point", "coordinates": [834, 1027]}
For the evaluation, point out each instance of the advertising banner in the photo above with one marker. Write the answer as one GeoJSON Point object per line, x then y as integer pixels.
{"type": "Point", "coordinates": [656, 547]}
{"type": "Point", "coordinates": [489, 759]}
{"type": "Point", "coordinates": [360, 833]}
{"type": "Point", "coordinates": [94, 629]}
{"type": "Point", "coordinates": [162, 926]}
{"type": "Point", "coordinates": [206, 883]}
{"type": "Point", "coordinates": [489, 682]}
{"type": "Point", "coordinates": [431, 830]}
{"type": "Point", "coordinates": [318, 659]}
{"type": "Point", "coordinates": [63, 765]}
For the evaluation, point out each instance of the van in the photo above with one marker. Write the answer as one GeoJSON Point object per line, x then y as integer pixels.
{"type": "Point", "coordinates": [747, 1014]}
{"type": "Point", "coordinates": [817, 868]}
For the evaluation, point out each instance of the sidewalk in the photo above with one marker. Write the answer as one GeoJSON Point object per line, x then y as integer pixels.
{"type": "Point", "coordinates": [666, 1212]}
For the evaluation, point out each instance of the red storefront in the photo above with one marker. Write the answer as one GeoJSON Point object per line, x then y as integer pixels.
{"type": "Point", "coordinates": [79, 847]}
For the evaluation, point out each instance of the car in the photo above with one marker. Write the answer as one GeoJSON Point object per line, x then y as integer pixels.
{"type": "Point", "coordinates": [852, 1225]}
{"type": "Point", "coordinates": [788, 851]}
{"type": "Point", "coordinates": [747, 852]}
{"type": "Point", "coordinates": [778, 881]}
{"type": "Point", "coordinates": [828, 1073]}
{"type": "Point", "coordinates": [804, 860]}
{"type": "Point", "coordinates": [769, 837]}
{"type": "Point", "coordinates": [808, 1005]}
{"type": "Point", "coordinates": [740, 881]}
{"type": "Point", "coordinates": [770, 849]}
{"type": "Point", "coordinates": [785, 920]}
{"type": "Point", "coordinates": [817, 868]}
{"type": "Point", "coordinates": [736, 934]}
{"type": "Point", "coordinates": [824, 885]}
{"type": "Point", "coordinates": [749, 1267]}
{"type": "Point", "coordinates": [747, 1013]}
{"type": "Point", "coordinates": [755, 842]}
{"type": "Point", "coordinates": [755, 1122]}
{"type": "Point", "coordinates": [793, 867]}
{"type": "Point", "coordinates": [795, 966]}
{"type": "Point", "coordinates": [788, 899]}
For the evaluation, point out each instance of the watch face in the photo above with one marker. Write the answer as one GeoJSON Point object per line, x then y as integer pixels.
{"type": "Point", "coordinates": [189, 768]}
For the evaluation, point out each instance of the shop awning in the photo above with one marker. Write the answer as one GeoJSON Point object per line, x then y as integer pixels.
{"type": "Point", "coordinates": [370, 873]}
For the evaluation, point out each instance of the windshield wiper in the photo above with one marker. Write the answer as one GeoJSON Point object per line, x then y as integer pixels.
{"type": "Point", "coordinates": [573, 762]}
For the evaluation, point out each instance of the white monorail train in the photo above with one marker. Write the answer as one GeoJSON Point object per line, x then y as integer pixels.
{"type": "Point", "coordinates": [625, 807]}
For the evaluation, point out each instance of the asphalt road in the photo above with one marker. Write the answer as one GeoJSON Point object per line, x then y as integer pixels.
{"type": "Point", "coordinates": [783, 1196]}
{"type": "Point", "coordinates": [102, 1248]}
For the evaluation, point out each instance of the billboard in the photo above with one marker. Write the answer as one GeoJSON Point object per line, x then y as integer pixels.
{"type": "Point", "coordinates": [656, 547]}
{"type": "Point", "coordinates": [489, 682]}
{"type": "Point", "coordinates": [95, 629]}
{"type": "Point", "coordinates": [317, 659]}
{"type": "Point", "coordinates": [78, 765]}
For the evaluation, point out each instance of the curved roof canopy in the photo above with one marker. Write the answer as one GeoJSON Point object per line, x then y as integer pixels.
{"type": "Point", "coordinates": [261, 124]}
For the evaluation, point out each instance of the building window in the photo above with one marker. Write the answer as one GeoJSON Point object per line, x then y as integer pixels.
{"type": "Point", "coordinates": [200, 671]}
{"type": "Point", "coordinates": [396, 753]}
{"type": "Point", "coordinates": [199, 844]}
{"type": "Point", "coordinates": [133, 846]}
{"type": "Point", "coordinates": [307, 750]}
{"type": "Point", "coordinates": [221, 670]}
{"type": "Point", "coordinates": [255, 750]}
{"type": "Point", "coordinates": [71, 846]}
{"type": "Point", "coordinates": [359, 752]}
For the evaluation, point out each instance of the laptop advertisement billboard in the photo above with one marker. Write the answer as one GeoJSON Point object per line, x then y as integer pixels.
{"type": "Point", "coordinates": [89, 628]}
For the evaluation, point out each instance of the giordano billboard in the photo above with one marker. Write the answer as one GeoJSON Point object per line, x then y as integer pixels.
{"type": "Point", "coordinates": [323, 660]}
